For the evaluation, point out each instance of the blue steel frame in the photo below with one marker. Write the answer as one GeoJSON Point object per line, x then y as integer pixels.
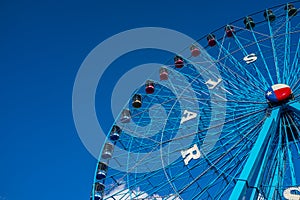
{"type": "Point", "coordinates": [248, 160]}
{"type": "Point", "coordinates": [247, 184]}
{"type": "Point", "coordinates": [252, 172]}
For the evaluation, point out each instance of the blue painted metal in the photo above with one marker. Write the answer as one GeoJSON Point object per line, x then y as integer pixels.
{"type": "Point", "coordinates": [286, 49]}
{"type": "Point", "coordinates": [231, 164]}
{"type": "Point", "coordinates": [273, 182]}
{"type": "Point", "coordinates": [240, 67]}
{"type": "Point", "coordinates": [261, 77]}
{"type": "Point", "coordinates": [294, 106]}
{"type": "Point", "coordinates": [289, 153]}
{"type": "Point", "coordinates": [253, 163]}
{"type": "Point", "coordinates": [263, 58]}
{"type": "Point", "coordinates": [294, 66]}
{"type": "Point", "coordinates": [274, 52]}
{"type": "Point", "coordinates": [276, 178]}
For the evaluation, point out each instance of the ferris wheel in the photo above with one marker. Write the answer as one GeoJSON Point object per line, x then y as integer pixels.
{"type": "Point", "coordinates": [221, 123]}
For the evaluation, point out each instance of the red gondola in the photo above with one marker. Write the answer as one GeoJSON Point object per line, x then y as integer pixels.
{"type": "Point", "coordinates": [211, 40]}
{"type": "Point", "coordinates": [229, 30]}
{"type": "Point", "coordinates": [195, 51]}
{"type": "Point", "coordinates": [178, 62]}
{"type": "Point", "coordinates": [163, 73]}
{"type": "Point", "coordinates": [149, 87]}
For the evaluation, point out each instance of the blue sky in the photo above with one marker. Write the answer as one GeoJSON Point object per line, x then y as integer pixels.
{"type": "Point", "coordinates": [43, 44]}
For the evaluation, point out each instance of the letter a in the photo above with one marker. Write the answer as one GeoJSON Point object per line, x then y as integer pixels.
{"type": "Point", "coordinates": [187, 115]}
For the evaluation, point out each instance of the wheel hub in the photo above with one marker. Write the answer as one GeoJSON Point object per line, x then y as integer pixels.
{"type": "Point", "coordinates": [278, 93]}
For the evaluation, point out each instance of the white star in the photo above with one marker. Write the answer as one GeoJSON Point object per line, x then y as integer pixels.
{"type": "Point", "coordinates": [269, 93]}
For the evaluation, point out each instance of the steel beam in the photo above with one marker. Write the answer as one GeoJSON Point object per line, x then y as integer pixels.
{"type": "Point", "coordinates": [253, 164]}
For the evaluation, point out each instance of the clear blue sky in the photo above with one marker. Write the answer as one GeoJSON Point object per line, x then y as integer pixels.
{"type": "Point", "coordinates": [42, 45]}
